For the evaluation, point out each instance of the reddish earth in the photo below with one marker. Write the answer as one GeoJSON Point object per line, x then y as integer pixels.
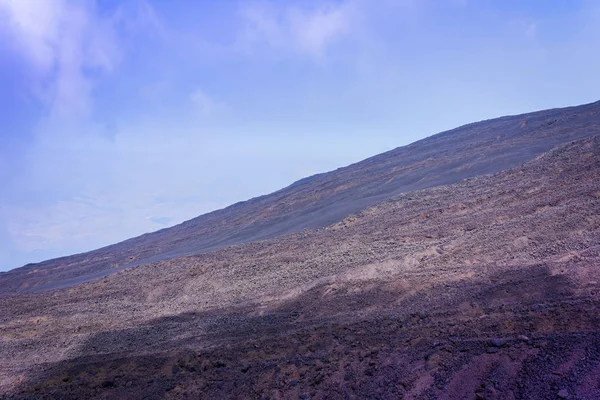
{"type": "Point", "coordinates": [484, 289]}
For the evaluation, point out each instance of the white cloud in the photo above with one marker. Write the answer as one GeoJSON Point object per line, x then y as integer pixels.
{"type": "Point", "coordinates": [315, 31]}
{"type": "Point", "coordinates": [531, 31]}
{"type": "Point", "coordinates": [69, 46]}
{"type": "Point", "coordinates": [203, 103]}
{"type": "Point", "coordinates": [292, 29]}
{"type": "Point", "coordinates": [36, 27]}
{"type": "Point", "coordinates": [65, 42]}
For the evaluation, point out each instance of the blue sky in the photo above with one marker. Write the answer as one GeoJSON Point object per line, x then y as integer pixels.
{"type": "Point", "coordinates": [123, 117]}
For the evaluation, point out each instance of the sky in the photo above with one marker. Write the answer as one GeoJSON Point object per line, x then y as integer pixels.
{"type": "Point", "coordinates": [125, 117]}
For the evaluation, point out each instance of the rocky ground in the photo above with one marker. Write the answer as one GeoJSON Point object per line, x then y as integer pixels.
{"type": "Point", "coordinates": [465, 152]}
{"type": "Point", "coordinates": [485, 289]}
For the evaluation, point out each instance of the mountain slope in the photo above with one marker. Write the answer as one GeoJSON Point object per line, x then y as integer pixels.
{"type": "Point", "coordinates": [471, 150]}
{"type": "Point", "coordinates": [482, 289]}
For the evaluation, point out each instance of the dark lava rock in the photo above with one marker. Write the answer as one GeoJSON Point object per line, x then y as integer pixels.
{"type": "Point", "coordinates": [563, 394]}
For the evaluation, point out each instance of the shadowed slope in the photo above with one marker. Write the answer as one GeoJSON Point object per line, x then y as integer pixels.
{"type": "Point", "coordinates": [317, 201]}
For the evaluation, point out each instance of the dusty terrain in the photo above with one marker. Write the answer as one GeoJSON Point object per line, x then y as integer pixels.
{"type": "Point", "coordinates": [318, 201]}
{"type": "Point", "coordinates": [485, 289]}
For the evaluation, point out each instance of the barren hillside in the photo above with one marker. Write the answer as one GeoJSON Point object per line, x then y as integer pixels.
{"type": "Point", "coordinates": [487, 288]}
{"type": "Point", "coordinates": [474, 149]}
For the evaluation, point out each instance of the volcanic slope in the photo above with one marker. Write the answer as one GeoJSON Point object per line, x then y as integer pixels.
{"type": "Point", "coordinates": [485, 289]}
{"type": "Point", "coordinates": [474, 149]}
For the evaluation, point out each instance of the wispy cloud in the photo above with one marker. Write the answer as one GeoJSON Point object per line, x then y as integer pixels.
{"type": "Point", "coordinates": [67, 43]}
{"type": "Point", "coordinates": [204, 104]}
{"type": "Point", "coordinates": [306, 31]}
{"type": "Point", "coordinates": [70, 45]}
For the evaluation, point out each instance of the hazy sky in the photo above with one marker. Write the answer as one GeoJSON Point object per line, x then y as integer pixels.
{"type": "Point", "coordinates": [123, 117]}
